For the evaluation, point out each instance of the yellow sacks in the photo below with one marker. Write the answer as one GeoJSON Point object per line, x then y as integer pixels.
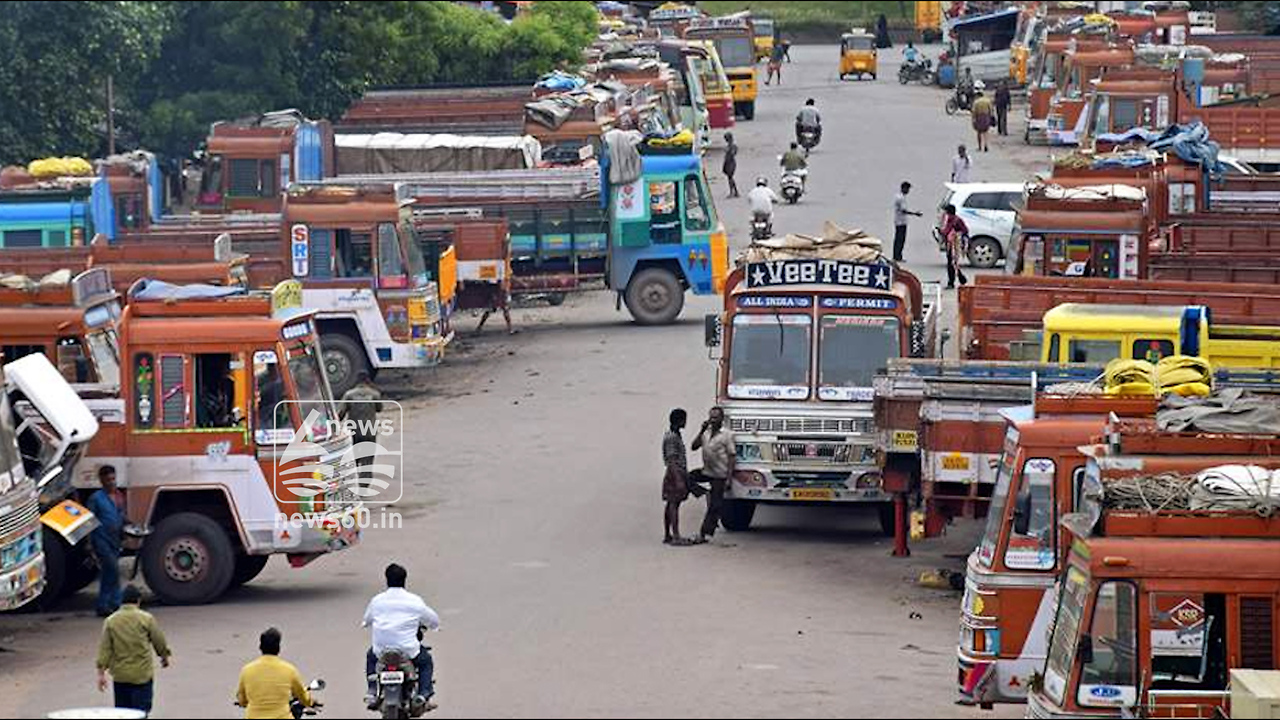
{"type": "Point", "coordinates": [1184, 375]}
{"type": "Point", "coordinates": [55, 167]}
{"type": "Point", "coordinates": [1129, 377]}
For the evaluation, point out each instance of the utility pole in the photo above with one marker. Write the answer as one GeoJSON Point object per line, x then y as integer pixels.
{"type": "Point", "coordinates": [111, 120]}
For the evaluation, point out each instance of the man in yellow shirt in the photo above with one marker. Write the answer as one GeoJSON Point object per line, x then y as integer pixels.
{"type": "Point", "coordinates": [269, 683]}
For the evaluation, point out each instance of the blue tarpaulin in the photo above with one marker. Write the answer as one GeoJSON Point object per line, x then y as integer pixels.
{"type": "Point", "coordinates": [1189, 142]}
{"type": "Point", "coordinates": [146, 289]}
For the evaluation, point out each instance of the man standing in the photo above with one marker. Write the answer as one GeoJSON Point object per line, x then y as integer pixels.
{"type": "Point", "coordinates": [730, 166]}
{"type": "Point", "coordinates": [775, 65]}
{"type": "Point", "coordinates": [107, 505]}
{"type": "Point", "coordinates": [961, 165]}
{"type": "Point", "coordinates": [675, 479]}
{"type": "Point", "coordinates": [1003, 101]}
{"type": "Point", "coordinates": [360, 407]}
{"type": "Point", "coordinates": [900, 214]}
{"type": "Point", "coordinates": [954, 233]}
{"type": "Point", "coordinates": [719, 456]}
{"type": "Point", "coordinates": [268, 684]}
{"type": "Point", "coordinates": [983, 118]}
{"type": "Point", "coordinates": [129, 636]}
{"type": "Point", "coordinates": [395, 615]}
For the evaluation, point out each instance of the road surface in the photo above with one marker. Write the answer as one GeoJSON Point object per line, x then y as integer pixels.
{"type": "Point", "coordinates": [532, 516]}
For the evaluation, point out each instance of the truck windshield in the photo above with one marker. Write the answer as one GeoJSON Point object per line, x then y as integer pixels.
{"type": "Point", "coordinates": [737, 51]}
{"type": "Point", "coordinates": [415, 263]}
{"type": "Point", "coordinates": [9, 464]}
{"type": "Point", "coordinates": [1066, 633]}
{"type": "Point", "coordinates": [999, 500]}
{"type": "Point", "coordinates": [769, 357]}
{"type": "Point", "coordinates": [313, 391]}
{"type": "Point", "coordinates": [106, 356]}
{"type": "Point", "coordinates": [764, 28]}
{"type": "Point", "coordinates": [859, 43]}
{"type": "Point", "coordinates": [853, 349]}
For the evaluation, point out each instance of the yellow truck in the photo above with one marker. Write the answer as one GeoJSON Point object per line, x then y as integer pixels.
{"type": "Point", "coordinates": [1078, 333]}
{"type": "Point", "coordinates": [735, 42]}
{"type": "Point", "coordinates": [929, 20]}
{"type": "Point", "coordinates": [764, 29]}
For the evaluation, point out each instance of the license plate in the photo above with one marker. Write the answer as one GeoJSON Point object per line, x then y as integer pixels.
{"type": "Point", "coordinates": [488, 272]}
{"type": "Point", "coordinates": [955, 462]}
{"type": "Point", "coordinates": [819, 494]}
{"type": "Point", "coordinates": [905, 439]}
{"type": "Point", "coordinates": [388, 678]}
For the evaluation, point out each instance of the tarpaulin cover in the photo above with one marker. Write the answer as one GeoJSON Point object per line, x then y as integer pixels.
{"type": "Point", "coordinates": [146, 289]}
{"type": "Point", "coordinates": [560, 81]}
{"type": "Point", "coordinates": [386, 153]}
{"type": "Point", "coordinates": [1189, 142]}
{"type": "Point", "coordinates": [1230, 411]}
{"type": "Point", "coordinates": [835, 243]}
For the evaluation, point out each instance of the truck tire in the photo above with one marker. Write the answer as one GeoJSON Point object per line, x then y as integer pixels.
{"type": "Point", "coordinates": [555, 299]}
{"type": "Point", "coordinates": [888, 518]}
{"type": "Point", "coordinates": [188, 560]}
{"type": "Point", "coordinates": [654, 297]}
{"type": "Point", "coordinates": [737, 515]}
{"type": "Point", "coordinates": [57, 557]}
{"type": "Point", "coordinates": [984, 252]}
{"type": "Point", "coordinates": [344, 359]}
{"type": "Point", "coordinates": [248, 567]}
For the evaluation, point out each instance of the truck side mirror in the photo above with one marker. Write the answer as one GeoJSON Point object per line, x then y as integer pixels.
{"type": "Point", "coordinates": [712, 331]}
{"type": "Point", "coordinates": [1022, 514]}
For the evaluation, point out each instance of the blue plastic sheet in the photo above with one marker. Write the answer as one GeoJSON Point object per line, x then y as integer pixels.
{"type": "Point", "coordinates": [561, 81]}
{"type": "Point", "coordinates": [146, 289]}
{"type": "Point", "coordinates": [1189, 142]}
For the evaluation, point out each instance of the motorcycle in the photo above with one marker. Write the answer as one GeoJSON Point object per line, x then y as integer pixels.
{"type": "Point", "coordinates": [397, 687]}
{"type": "Point", "coordinates": [808, 139]}
{"type": "Point", "coordinates": [921, 72]}
{"type": "Point", "coordinates": [963, 100]}
{"type": "Point", "coordinates": [761, 227]}
{"type": "Point", "coordinates": [792, 184]}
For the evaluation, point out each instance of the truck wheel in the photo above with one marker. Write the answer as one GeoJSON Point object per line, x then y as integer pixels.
{"type": "Point", "coordinates": [189, 560]}
{"type": "Point", "coordinates": [555, 299]}
{"type": "Point", "coordinates": [343, 361]}
{"type": "Point", "coordinates": [248, 567]}
{"type": "Point", "coordinates": [888, 518]}
{"type": "Point", "coordinates": [984, 252]}
{"type": "Point", "coordinates": [57, 557]}
{"type": "Point", "coordinates": [654, 297]}
{"type": "Point", "coordinates": [737, 515]}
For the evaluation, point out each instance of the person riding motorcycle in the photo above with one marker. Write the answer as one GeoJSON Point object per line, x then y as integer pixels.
{"type": "Point", "coordinates": [809, 119]}
{"type": "Point", "coordinates": [396, 616]}
{"type": "Point", "coordinates": [793, 162]}
{"type": "Point", "coordinates": [761, 199]}
{"type": "Point", "coordinates": [269, 685]}
{"type": "Point", "coordinates": [911, 56]}
{"type": "Point", "coordinates": [966, 86]}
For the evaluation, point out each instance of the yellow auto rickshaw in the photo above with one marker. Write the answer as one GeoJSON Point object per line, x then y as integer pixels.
{"type": "Point", "coordinates": [858, 54]}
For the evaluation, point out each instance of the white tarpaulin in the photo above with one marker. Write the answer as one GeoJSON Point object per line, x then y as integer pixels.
{"type": "Point", "coordinates": [385, 153]}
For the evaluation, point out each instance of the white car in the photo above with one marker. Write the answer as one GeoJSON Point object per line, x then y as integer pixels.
{"type": "Point", "coordinates": [990, 210]}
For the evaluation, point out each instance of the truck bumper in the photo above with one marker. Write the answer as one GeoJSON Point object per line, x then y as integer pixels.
{"type": "Point", "coordinates": [22, 584]}
{"type": "Point", "coordinates": [766, 484]}
{"type": "Point", "coordinates": [305, 539]}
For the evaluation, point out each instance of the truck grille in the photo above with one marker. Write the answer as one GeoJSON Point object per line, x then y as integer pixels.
{"type": "Point", "coordinates": [21, 519]}
{"type": "Point", "coordinates": [800, 425]}
{"type": "Point", "coordinates": [791, 479]}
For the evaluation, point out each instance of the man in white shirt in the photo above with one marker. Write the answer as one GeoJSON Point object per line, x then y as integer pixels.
{"type": "Point", "coordinates": [395, 615]}
{"type": "Point", "coordinates": [719, 460]}
{"type": "Point", "coordinates": [961, 165]}
{"type": "Point", "coordinates": [761, 199]}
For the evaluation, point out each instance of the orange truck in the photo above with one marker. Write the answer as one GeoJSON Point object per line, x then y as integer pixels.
{"type": "Point", "coordinates": [1160, 601]}
{"type": "Point", "coordinates": [802, 340]}
{"type": "Point", "coordinates": [211, 392]}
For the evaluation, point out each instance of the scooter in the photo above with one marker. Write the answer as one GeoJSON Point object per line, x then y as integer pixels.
{"type": "Point", "coordinates": [792, 184]}
{"type": "Point", "coordinates": [761, 227]}
{"type": "Point", "coordinates": [963, 101]}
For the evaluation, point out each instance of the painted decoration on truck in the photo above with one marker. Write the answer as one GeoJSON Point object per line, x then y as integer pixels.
{"type": "Point", "coordinates": [773, 273]}
{"type": "Point", "coordinates": [774, 301]}
{"type": "Point", "coordinates": [300, 249]}
{"type": "Point", "coordinates": [859, 303]}
{"type": "Point", "coordinates": [631, 201]}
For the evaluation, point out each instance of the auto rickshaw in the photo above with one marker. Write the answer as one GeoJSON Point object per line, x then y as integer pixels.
{"type": "Point", "coordinates": [858, 54]}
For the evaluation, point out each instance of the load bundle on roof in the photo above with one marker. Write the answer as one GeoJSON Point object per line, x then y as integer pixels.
{"type": "Point", "coordinates": [835, 243]}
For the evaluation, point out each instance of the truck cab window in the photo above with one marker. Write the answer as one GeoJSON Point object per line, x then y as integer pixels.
{"type": "Point", "coordinates": [1113, 633]}
{"type": "Point", "coordinates": [1188, 641]}
{"type": "Point", "coordinates": [697, 217]}
{"type": "Point", "coordinates": [390, 262]}
{"type": "Point", "coordinates": [211, 181]}
{"type": "Point", "coordinates": [1031, 543]}
{"type": "Point", "coordinates": [243, 177]}
{"type": "Point", "coordinates": [664, 212]}
{"type": "Point", "coordinates": [215, 391]}
{"type": "Point", "coordinates": [354, 253]}
{"type": "Point", "coordinates": [272, 420]}
{"type": "Point", "coordinates": [1094, 351]}
{"type": "Point", "coordinates": [72, 361]}
{"type": "Point", "coordinates": [1152, 350]}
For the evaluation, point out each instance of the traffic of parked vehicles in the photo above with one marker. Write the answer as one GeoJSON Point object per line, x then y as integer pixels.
{"type": "Point", "coordinates": [1092, 422]}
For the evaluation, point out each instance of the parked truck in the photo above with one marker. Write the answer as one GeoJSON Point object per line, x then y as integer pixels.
{"type": "Point", "coordinates": [44, 429]}
{"type": "Point", "coordinates": [215, 384]}
{"type": "Point", "coordinates": [801, 341]}
{"type": "Point", "coordinates": [734, 41]}
{"type": "Point", "coordinates": [1159, 602]}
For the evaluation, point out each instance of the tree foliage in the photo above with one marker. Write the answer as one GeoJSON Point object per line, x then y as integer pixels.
{"type": "Point", "coordinates": [181, 65]}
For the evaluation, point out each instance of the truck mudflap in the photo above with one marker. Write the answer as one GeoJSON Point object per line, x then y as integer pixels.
{"type": "Point", "coordinates": [71, 520]}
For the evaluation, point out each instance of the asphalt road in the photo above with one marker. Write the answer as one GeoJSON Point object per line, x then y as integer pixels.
{"type": "Point", "coordinates": [532, 517]}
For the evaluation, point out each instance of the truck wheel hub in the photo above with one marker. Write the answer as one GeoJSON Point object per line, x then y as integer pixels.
{"type": "Point", "coordinates": [184, 559]}
{"type": "Point", "coordinates": [338, 367]}
{"type": "Point", "coordinates": [654, 296]}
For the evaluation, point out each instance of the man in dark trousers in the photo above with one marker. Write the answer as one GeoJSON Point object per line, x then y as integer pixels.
{"type": "Point", "coordinates": [730, 163]}
{"type": "Point", "coordinates": [1002, 108]}
{"type": "Point", "coordinates": [900, 214]}
{"type": "Point", "coordinates": [719, 455]}
{"type": "Point", "coordinates": [129, 637]}
{"type": "Point", "coordinates": [107, 505]}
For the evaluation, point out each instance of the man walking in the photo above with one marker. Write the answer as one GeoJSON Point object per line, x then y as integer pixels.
{"type": "Point", "coordinates": [961, 165]}
{"type": "Point", "coordinates": [730, 166]}
{"type": "Point", "coordinates": [108, 506]}
{"type": "Point", "coordinates": [269, 684]}
{"type": "Point", "coordinates": [718, 459]}
{"type": "Point", "coordinates": [675, 479]}
{"type": "Point", "coordinates": [983, 118]}
{"type": "Point", "coordinates": [900, 214]}
{"type": "Point", "coordinates": [360, 407]}
{"type": "Point", "coordinates": [955, 234]}
{"type": "Point", "coordinates": [129, 636]}
{"type": "Point", "coordinates": [1003, 101]}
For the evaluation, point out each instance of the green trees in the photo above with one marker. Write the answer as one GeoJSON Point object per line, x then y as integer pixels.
{"type": "Point", "coordinates": [179, 66]}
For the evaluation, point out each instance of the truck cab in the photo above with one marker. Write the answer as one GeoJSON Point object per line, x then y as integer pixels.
{"type": "Point", "coordinates": [1092, 231]}
{"type": "Point", "coordinates": [1159, 603]}
{"type": "Point", "coordinates": [802, 342]}
{"type": "Point", "coordinates": [58, 213]}
{"type": "Point", "coordinates": [735, 44]}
